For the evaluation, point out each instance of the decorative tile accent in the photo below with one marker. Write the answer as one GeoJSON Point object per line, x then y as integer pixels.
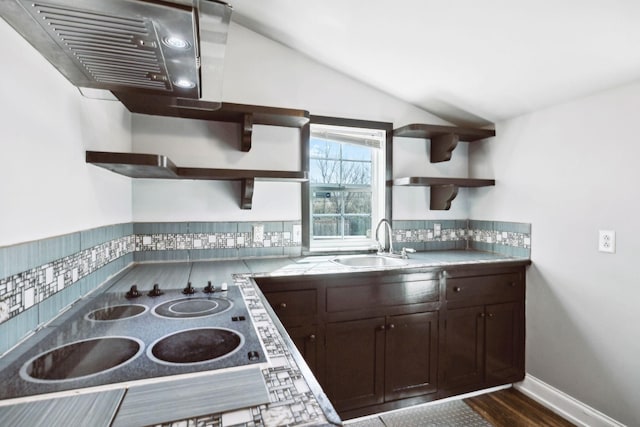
{"type": "Point", "coordinates": [507, 238]}
{"type": "Point", "coordinates": [22, 290]}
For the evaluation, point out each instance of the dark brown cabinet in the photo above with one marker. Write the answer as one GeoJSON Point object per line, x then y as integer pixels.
{"type": "Point", "coordinates": [411, 355]}
{"type": "Point", "coordinates": [305, 338]}
{"type": "Point", "coordinates": [371, 361]}
{"type": "Point", "coordinates": [383, 340]}
{"type": "Point", "coordinates": [355, 363]}
{"type": "Point", "coordinates": [297, 310]}
{"type": "Point", "coordinates": [483, 344]}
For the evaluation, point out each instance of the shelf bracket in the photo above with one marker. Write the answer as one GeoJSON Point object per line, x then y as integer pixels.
{"type": "Point", "coordinates": [246, 193]}
{"type": "Point", "coordinates": [247, 131]}
{"type": "Point", "coordinates": [442, 196]}
{"type": "Point", "coordinates": [442, 147]}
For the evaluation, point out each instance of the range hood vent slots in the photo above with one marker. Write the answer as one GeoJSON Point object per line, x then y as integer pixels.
{"type": "Point", "coordinates": [126, 46]}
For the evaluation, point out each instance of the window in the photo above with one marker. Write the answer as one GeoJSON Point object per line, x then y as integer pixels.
{"type": "Point", "coordinates": [346, 185]}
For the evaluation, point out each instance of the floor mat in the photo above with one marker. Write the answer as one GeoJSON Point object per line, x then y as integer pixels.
{"type": "Point", "coordinates": [364, 422]}
{"type": "Point", "coordinates": [454, 413]}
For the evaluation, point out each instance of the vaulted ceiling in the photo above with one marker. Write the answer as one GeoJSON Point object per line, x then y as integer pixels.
{"type": "Point", "coordinates": [468, 61]}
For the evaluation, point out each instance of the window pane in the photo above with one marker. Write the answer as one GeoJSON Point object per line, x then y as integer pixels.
{"type": "Point", "coordinates": [326, 226]}
{"type": "Point", "coordinates": [356, 173]}
{"type": "Point", "coordinates": [323, 149]}
{"type": "Point", "coordinates": [326, 202]}
{"type": "Point", "coordinates": [357, 225]}
{"type": "Point", "coordinates": [356, 152]}
{"type": "Point", "coordinates": [357, 203]}
{"type": "Point", "coordinates": [324, 171]}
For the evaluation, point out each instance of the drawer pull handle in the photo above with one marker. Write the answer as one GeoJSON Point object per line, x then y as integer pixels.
{"type": "Point", "coordinates": [282, 305]}
{"type": "Point", "coordinates": [312, 337]}
{"type": "Point", "coordinates": [457, 289]}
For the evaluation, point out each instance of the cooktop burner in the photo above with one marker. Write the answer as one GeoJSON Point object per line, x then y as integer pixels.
{"type": "Point", "coordinates": [82, 359]}
{"type": "Point", "coordinates": [116, 312]}
{"type": "Point", "coordinates": [192, 307]}
{"type": "Point", "coordinates": [195, 346]}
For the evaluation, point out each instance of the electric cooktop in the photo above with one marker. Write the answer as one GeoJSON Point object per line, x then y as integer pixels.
{"type": "Point", "coordinates": [135, 335]}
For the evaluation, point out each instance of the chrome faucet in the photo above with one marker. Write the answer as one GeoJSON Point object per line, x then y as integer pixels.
{"type": "Point", "coordinates": [388, 247]}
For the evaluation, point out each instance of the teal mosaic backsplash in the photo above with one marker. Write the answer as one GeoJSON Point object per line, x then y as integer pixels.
{"type": "Point", "coordinates": [506, 238]}
{"type": "Point", "coordinates": [39, 279]}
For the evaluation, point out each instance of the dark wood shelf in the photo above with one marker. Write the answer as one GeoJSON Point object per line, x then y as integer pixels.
{"type": "Point", "coordinates": [237, 174]}
{"type": "Point", "coordinates": [423, 181]}
{"type": "Point", "coordinates": [134, 165]}
{"type": "Point", "coordinates": [155, 166]}
{"type": "Point", "coordinates": [443, 190]}
{"type": "Point", "coordinates": [444, 139]}
{"type": "Point", "coordinates": [245, 115]}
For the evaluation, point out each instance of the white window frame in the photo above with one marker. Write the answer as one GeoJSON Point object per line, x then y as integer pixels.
{"type": "Point", "coordinates": [378, 186]}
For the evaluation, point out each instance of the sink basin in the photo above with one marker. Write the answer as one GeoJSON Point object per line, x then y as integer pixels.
{"type": "Point", "coordinates": [369, 261]}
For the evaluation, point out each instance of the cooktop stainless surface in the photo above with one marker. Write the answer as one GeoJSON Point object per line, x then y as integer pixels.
{"type": "Point", "coordinates": [133, 331]}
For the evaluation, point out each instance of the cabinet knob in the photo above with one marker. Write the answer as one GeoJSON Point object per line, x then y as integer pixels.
{"type": "Point", "coordinates": [490, 315]}
{"type": "Point", "coordinates": [457, 289]}
{"type": "Point", "coordinates": [382, 328]}
{"type": "Point", "coordinates": [282, 305]}
{"type": "Point", "coordinates": [513, 284]}
{"type": "Point", "coordinates": [392, 326]}
{"type": "Point", "coordinates": [312, 337]}
{"type": "Point", "coordinates": [481, 315]}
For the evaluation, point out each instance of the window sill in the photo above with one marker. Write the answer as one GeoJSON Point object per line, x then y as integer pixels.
{"type": "Point", "coordinates": [333, 247]}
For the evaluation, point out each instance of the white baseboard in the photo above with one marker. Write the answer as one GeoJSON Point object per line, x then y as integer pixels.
{"type": "Point", "coordinates": [564, 405]}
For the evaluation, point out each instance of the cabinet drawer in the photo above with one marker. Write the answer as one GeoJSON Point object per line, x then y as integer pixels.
{"type": "Point", "coordinates": [359, 296]}
{"type": "Point", "coordinates": [501, 286]}
{"type": "Point", "coordinates": [293, 305]}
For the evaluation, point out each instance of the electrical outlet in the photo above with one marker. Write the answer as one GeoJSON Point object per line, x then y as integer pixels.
{"type": "Point", "coordinates": [437, 229]}
{"type": "Point", "coordinates": [607, 241]}
{"type": "Point", "coordinates": [258, 233]}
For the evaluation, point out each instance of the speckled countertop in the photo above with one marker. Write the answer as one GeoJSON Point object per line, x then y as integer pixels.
{"type": "Point", "coordinates": [295, 397]}
{"type": "Point", "coordinates": [324, 264]}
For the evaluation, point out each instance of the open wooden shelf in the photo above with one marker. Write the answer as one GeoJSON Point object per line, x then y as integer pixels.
{"type": "Point", "coordinates": [155, 166]}
{"type": "Point", "coordinates": [444, 139]}
{"type": "Point", "coordinates": [245, 115]}
{"type": "Point", "coordinates": [443, 190]}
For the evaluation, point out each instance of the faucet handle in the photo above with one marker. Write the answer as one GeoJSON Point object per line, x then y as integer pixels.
{"type": "Point", "coordinates": [407, 250]}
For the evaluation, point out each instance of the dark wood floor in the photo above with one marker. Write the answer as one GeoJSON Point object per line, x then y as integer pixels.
{"type": "Point", "coordinates": [510, 408]}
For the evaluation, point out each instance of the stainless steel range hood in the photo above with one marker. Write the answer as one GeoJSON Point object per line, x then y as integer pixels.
{"type": "Point", "coordinates": [171, 48]}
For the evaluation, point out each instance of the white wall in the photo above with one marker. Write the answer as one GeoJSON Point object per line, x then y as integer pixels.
{"type": "Point", "coordinates": [259, 71]}
{"type": "Point", "coordinates": [46, 188]}
{"type": "Point", "coordinates": [571, 170]}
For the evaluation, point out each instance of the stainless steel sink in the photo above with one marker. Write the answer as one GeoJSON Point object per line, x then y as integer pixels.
{"type": "Point", "coordinates": [356, 261]}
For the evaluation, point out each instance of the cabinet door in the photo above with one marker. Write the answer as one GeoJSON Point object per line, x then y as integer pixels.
{"type": "Point", "coordinates": [354, 354]}
{"type": "Point", "coordinates": [463, 352]}
{"type": "Point", "coordinates": [411, 355]}
{"type": "Point", "coordinates": [306, 340]}
{"type": "Point", "coordinates": [504, 342]}
{"type": "Point", "coordinates": [294, 308]}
